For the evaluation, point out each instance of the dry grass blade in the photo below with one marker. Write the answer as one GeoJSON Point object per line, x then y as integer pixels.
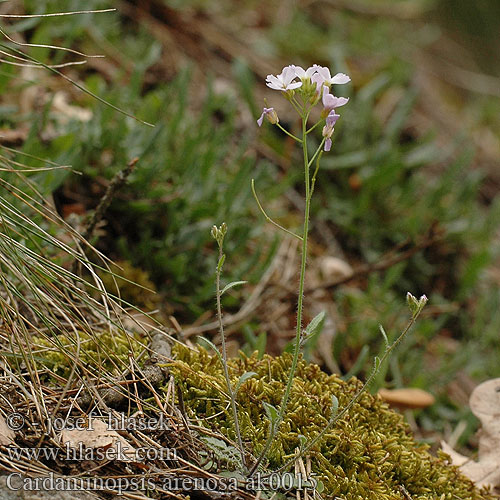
{"type": "Point", "coordinates": [60, 335]}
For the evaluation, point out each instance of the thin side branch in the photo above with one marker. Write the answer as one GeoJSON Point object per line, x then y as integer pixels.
{"type": "Point", "coordinates": [114, 186]}
{"type": "Point", "coordinates": [116, 183]}
{"type": "Point", "coordinates": [269, 218]}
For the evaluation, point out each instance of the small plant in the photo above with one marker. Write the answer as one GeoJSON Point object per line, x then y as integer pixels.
{"type": "Point", "coordinates": [304, 90]}
{"type": "Point", "coordinates": [218, 233]}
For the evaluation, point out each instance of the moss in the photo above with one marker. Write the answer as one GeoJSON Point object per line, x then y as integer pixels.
{"type": "Point", "coordinates": [143, 296]}
{"type": "Point", "coordinates": [369, 454]}
{"type": "Point", "coordinates": [108, 351]}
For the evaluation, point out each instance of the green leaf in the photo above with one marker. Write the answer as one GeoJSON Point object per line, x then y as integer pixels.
{"type": "Point", "coordinates": [223, 451]}
{"type": "Point", "coordinates": [212, 346]}
{"type": "Point", "coordinates": [221, 262]}
{"type": "Point", "coordinates": [386, 340]}
{"type": "Point", "coordinates": [315, 325]}
{"type": "Point", "coordinates": [320, 486]}
{"type": "Point", "coordinates": [260, 344]}
{"type": "Point", "coordinates": [242, 380]}
{"type": "Point", "coordinates": [302, 441]}
{"type": "Point", "coordinates": [231, 285]}
{"type": "Point", "coordinates": [271, 412]}
{"type": "Point", "coordinates": [311, 334]}
{"type": "Point", "coordinates": [232, 474]}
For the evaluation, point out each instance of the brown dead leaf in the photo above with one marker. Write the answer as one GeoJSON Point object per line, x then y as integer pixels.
{"type": "Point", "coordinates": [407, 397]}
{"type": "Point", "coordinates": [101, 439]}
{"type": "Point", "coordinates": [456, 458]}
{"type": "Point", "coordinates": [6, 434]}
{"type": "Point", "coordinates": [485, 404]}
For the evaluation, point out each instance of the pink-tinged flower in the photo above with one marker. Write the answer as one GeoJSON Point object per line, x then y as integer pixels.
{"type": "Point", "coordinates": [328, 129]}
{"type": "Point", "coordinates": [270, 114]}
{"type": "Point", "coordinates": [330, 102]}
{"type": "Point", "coordinates": [323, 77]}
{"type": "Point", "coordinates": [283, 81]}
{"type": "Point", "coordinates": [304, 74]}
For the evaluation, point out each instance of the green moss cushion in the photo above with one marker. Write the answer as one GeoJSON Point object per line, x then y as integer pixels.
{"type": "Point", "coordinates": [369, 454]}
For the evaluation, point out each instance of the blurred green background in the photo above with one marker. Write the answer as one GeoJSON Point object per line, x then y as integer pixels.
{"type": "Point", "coordinates": [408, 197]}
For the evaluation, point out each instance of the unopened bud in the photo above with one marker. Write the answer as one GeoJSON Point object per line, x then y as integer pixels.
{"type": "Point", "coordinates": [415, 305]}
{"type": "Point", "coordinates": [272, 117]}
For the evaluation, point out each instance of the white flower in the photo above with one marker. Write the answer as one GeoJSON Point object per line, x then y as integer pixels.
{"type": "Point", "coordinates": [284, 81]}
{"type": "Point", "coordinates": [323, 77]}
{"type": "Point", "coordinates": [304, 74]}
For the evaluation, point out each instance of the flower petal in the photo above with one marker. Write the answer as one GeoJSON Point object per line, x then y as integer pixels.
{"type": "Point", "coordinates": [299, 71]}
{"type": "Point", "coordinates": [328, 99]}
{"type": "Point", "coordinates": [340, 101]}
{"type": "Point", "coordinates": [318, 80]}
{"type": "Point", "coordinates": [340, 78]}
{"type": "Point", "coordinates": [311, 71]}
{"type": "Point", "coordinates": [332, 118]}
{"type": "Point", "coordinates": [324, 72]}
{"type": "Point", "coordinates": [274, 86]}
{"type": "Point", "coordinates": [288, 74]}
{"type": "Point", "coordinates": [294, 85]}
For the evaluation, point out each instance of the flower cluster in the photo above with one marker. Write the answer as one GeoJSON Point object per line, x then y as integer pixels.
{"type": "Point", "coordinates": [312, 85]}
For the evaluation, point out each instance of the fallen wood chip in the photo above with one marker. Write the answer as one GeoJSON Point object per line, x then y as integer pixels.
{"type": "Point", "coordinates": [407, 398]}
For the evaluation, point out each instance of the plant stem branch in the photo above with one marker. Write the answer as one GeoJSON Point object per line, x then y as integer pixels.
{"type": "Point", "coordinates": [313, 180]}
{"type": "Point", "coordinates": [314, 126]}
{"type": "Point", "coordinates": [320, 147]}
{"type": "Point", "coordinates": [232, 396]}
{"type": "Point", "coordinates": [113, 187]}
{"type": "Point", "coordinates": [288, 133]}
{"type": "Point", "coordinates": [269, 218]}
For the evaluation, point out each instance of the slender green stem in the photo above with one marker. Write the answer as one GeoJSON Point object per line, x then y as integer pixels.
{"type": "Point", "coordinates": [313, 180]}
{"type": "Point", "coordinates": [320, 147]}
{"type": "Point", "coordinates": [314, 126]}
{"type": "Point", "coordinates": [224, 364]}
{"type": "Point", "coordinates": [296, 352]}
{"type": "Point", "coordinates": [296, 105]}
{"type": "Point", "coordinates": [288, 133]}
{"type": "Point", "coordinates": [269, 218]}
